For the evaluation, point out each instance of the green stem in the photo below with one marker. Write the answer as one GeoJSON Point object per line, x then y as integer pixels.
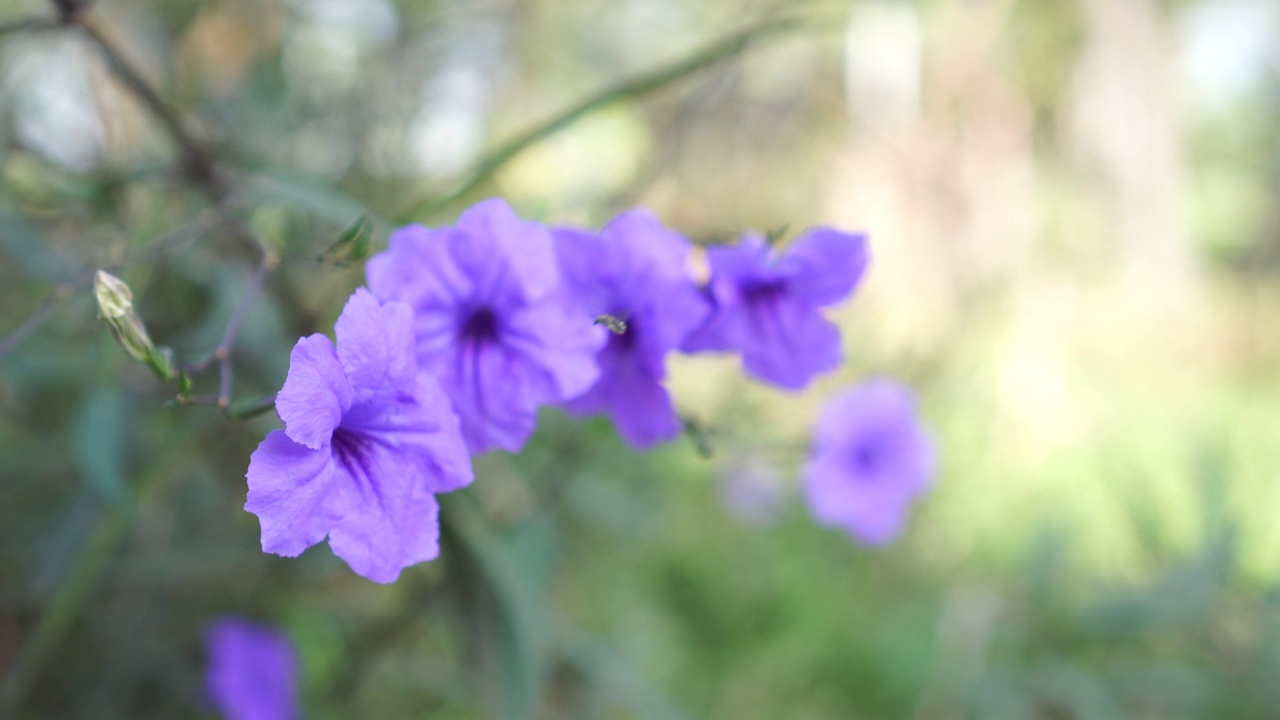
{"type": "Point", "coordinates": [635, 87]}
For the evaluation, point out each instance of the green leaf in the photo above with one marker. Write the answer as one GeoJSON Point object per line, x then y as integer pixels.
{"type": "Point", "coordinates": [323, 201]}
{"type": "Point", "coordinates": [99, 437]}
{"type": "Point", "coordinates": [352, 244]}
{"type": "Point", "coordinates": [252, 407]}
{"type": "Point", "coordinates": [507, 579]}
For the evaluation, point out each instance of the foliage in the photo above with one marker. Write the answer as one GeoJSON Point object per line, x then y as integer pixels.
{"type": "Point", "coordinates": [1100, 544]}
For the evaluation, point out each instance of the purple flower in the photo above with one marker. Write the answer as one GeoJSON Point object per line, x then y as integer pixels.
{"type": "Point", "coordinates": [869, 462]}
{"type": "Point", "coordinates": [767, 305]}
{"type": "Point", "coordinates": [367, 442]}
{"type": "Point", "coordinates": [751, 488]}
{"type": "Point", "coordinates": [490, 319]}
{"type": "Point", "coordinates": [252, 672]}
{"type": "Point", "coordinates": [634, 271]}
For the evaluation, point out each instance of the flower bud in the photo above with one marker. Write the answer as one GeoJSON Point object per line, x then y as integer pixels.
{"type": "Point", "coordinates": [115, 308]}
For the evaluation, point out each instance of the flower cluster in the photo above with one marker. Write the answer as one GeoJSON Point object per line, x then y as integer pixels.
{"type": "Point", "coordinates": [466, 331]}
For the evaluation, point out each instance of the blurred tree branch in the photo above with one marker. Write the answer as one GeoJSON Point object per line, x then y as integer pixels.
{"type": "Point", "coordinates": [638, 86]}
{"type": "Point", "coordinates": [197, 164]}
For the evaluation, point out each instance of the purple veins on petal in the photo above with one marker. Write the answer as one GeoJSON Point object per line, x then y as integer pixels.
{"type": "Point", "coordinates": [632, 270]}
{"type": "Point", "coordinates": [491, 320]}
{"type": "Point", "coordinates": [252, 671]}
{"type": "Point", "coordinates": [870, 461]}
{"type": "Point", "coordinates": [369, 482]}
{"type": "Point", "coordinates": [767, 306]}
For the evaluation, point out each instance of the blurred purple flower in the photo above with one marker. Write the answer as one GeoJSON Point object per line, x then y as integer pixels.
{"type": "Point", "coordinates": [752, 490]}
{"type": "Point", "coordinates": [491, 319]}
{"type": "Point", "coordinates": [767, 305]}
{"type": "Point", "coordinates": [367, 443]}
{"type": "Point", "coordinates": [870, 460]}
{"type": "Point", "coordinates": [634, 271]}
{"type": "Point", "coordinates": [252, 672]}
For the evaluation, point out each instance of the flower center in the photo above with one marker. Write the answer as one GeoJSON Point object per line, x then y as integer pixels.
{"type": "Point", "coordinates": [763, 291]}
{"type": "Point", "coordinates": [352, 450]}
{"type": "Point", "coordinates": [866, 457]}
{"type": "Point", "coordinates": [481, 326]}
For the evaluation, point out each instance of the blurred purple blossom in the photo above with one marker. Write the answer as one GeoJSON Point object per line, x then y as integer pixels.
{"type": "Point", "coordinates": [767, 305]}
{"type": "Point", "coordinates": [751, 488]}
{"type": "Point", "coordinates": [367, 443]}
{"type": "Point", "coordinates": [491, 319]}
{"type": "Point", "coordinates": [869, 462]}
{"type": "Point", "coordinates": [633, 271]}
{"type": "Point", "coordinates": [252, 671]}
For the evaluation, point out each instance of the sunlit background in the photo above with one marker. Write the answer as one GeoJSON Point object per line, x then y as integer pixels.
{"type": "Point", "coordinates": [1076, 265]}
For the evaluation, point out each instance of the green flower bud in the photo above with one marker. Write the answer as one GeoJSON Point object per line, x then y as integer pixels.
{"type": "Point", "coordinates": [115, 308]}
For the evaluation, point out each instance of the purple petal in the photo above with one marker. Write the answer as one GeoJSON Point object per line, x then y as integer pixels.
{"type": "Point", "coordinates": [825, 265]}
{"type": "Point", "coordinates": [787, 343]}
{"type": "Point", "coordinates": [315, 393]}
{"type": "Point", "coordinates": [639, 406]}
{"type": "Point", "coordinates": [503, 254]}
{"type": "Point", "coordinates": [675, 311]}
{"type": "Point", "coordinates": [586, 270]}
{"type": "Point", "coordinates": [391, 518]}
{"type": "Point", "coordinates": [710, 335]}
{"type": "Point", "coordinates": [648, 244]}
{"type": "Point", "coordinates": [375, 345]}
{"type": "Point", "coordinates": [732, 269]}
{"type": "Point", "coordinates": [252, 671]}
{"type": "Point", "coordinates": [417, 268]}
{"type": "Point", "coordinates": [750, 259]}
{"type": "Point", "coordinates": [872, 514]}
{"type": "Point", "coordinates": [291, 492]}
{"type": "Point", "coordinates": [424, 429]}
{"type": "Point", "coordinates": [552, 337]}
{"type": "Point", "coordinates": [879, 414]}
{"type": "Point", "coordinates": [622, 266]}
{"type": "Point", "coordinates": [495, 392]}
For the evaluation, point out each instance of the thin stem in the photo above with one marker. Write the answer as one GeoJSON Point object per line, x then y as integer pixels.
{"type": "Point", "coordinates": [222, 353]}
{"type": "Point", "coordinates": [635, 87]}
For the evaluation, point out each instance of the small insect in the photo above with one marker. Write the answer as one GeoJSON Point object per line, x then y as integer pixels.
{"type": "Point", "coordinates": [615, 324]}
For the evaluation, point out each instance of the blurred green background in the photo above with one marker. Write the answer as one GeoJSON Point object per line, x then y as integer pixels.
{"type": "Point", "coordinates": [1077, 266]}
